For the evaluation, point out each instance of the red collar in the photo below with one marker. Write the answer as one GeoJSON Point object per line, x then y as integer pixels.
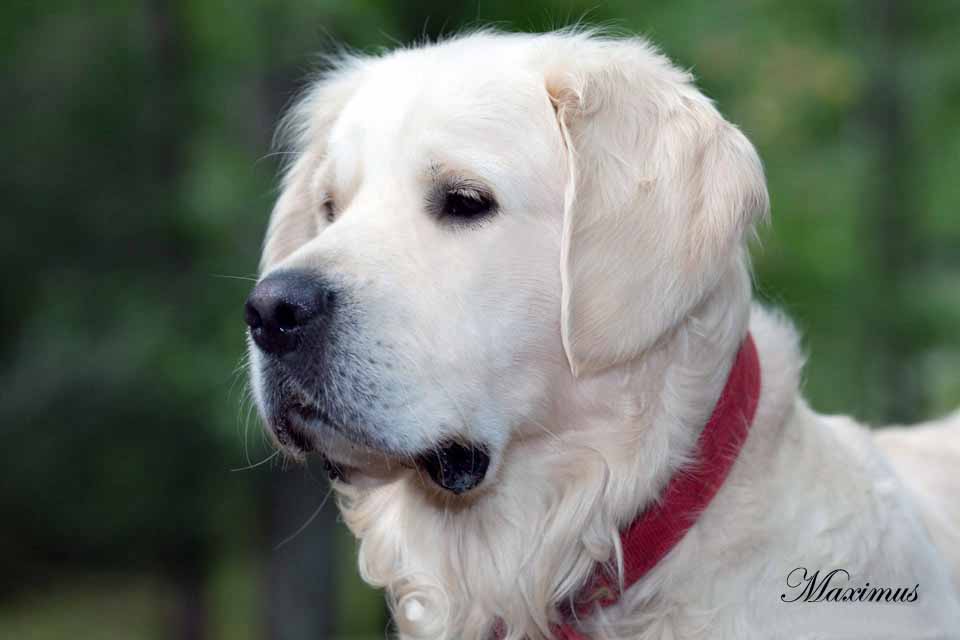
{"type": "Point", "coordinates": [663, 524]}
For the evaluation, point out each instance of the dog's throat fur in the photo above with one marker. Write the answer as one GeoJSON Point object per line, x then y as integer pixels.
{"type": "Point", "coordinates": [660, 527]}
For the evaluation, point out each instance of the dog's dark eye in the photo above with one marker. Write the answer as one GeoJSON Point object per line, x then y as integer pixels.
{"type": "Point", "coordinates": [328, 209]}
{"type": "Point", "coordinates": [467, 204]}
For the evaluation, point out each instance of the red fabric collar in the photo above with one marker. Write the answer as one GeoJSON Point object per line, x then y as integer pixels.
{"type": "Point", "coordinates": [663, 524]}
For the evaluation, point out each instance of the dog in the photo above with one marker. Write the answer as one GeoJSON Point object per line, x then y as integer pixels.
{"type": "Point", "coordinates": [505, 293]}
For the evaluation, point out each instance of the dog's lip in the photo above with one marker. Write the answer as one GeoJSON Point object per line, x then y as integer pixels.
{"type": "Point", "coordinates": [311, 419]}
{"type": "Point", "coordinates": [307, 413]}
{"type": "Point", "coordinates": [295, 423]}
{"type": "Point", "coordinates": [308, 427]}
{"type": "Point", "coordinates": [292, 433]}
{"type": "Point", "coordinates": [455, 466]}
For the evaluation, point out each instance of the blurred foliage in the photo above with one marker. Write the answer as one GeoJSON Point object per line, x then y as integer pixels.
{"type": "Point", "coordinates": [137, 180]}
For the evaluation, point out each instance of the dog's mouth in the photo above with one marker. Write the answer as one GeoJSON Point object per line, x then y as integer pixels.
{"type": "Point", "coordinates": [454, 466]}
{"type": "Point", "coordinates": [291, 433]}
{"type": "Point", "coordinates": [294, 426]}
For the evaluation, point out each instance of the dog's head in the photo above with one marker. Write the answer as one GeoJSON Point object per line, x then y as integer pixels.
{"type": "Point", "coordinates": [471, 226]}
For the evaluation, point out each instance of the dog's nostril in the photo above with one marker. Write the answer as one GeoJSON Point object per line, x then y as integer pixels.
{"type": "Point", "coordinates": [286, 316]}
{"type": "Point", "coordinates": [252, 316]}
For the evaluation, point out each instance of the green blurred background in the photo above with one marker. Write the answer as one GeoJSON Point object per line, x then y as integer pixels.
{"type": "Point", "coordinates": [137, 177]}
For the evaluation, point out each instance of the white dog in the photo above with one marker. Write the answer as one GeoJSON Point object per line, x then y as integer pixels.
{"type": "Point", "coordinates": [506, 294]}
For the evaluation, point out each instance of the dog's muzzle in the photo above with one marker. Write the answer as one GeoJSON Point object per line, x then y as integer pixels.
{"type": "Point", "coordinates": [290, 315]}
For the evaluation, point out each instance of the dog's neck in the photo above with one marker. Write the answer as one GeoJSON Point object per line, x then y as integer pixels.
{"type": "Point", "coordinates": [527, 547]}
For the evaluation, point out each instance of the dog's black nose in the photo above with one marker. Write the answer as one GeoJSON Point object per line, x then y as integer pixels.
{"type": "Point", "coordinates": [282, 306]}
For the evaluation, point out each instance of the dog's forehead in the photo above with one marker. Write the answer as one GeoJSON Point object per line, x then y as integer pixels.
{"type": "Point", "coordinates": [429, 101]}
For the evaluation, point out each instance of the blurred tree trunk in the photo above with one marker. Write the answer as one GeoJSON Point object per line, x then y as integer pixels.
{"type": "Point", "coordinates": [166, 109]}
{"type": "Point", "coordinates": [889, 221]}
{"type": "Point", "coordinates": [166, 112]}
{"type": "Point", "coordinates": [189, 576]}
{"type": "Point", "coordinates": [301, 577]}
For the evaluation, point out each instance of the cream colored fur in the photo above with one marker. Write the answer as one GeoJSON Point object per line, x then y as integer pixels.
{"type": "Point", "coordinates": [584, 334]}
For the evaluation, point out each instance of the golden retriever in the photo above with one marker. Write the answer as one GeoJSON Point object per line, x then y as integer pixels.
{"type": "Point", "coordinates": [505, 293]}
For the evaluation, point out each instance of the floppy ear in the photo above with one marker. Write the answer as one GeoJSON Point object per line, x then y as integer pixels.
{"type": "Point", "coordinates": [661, 192]}
{"type": "Point", "coordinates": [297, 216]}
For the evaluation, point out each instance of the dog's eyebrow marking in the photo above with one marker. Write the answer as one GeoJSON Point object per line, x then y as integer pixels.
{"type": "Point", "coordinates": [435, 171]}
{"type": "Point", "coordinates": [444, 177]}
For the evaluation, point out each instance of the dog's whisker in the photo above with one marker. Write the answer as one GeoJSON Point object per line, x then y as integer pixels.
{"type": "Point", "coordinates": [258, 464]}
{"type": "Point", "coordinates": [276, 154]}
{"type": "Point", "coordinates": [248, 418]}
{"type": "Point", "coordinates": [230, 277]}
{"type": "Point", "coordinates": [313, 516]}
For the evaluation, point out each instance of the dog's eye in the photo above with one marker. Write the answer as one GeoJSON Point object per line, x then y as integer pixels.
{"type": "Point", "coordinates": [329, 209]}
{"type": "Point", "coordinates": [466, 203]}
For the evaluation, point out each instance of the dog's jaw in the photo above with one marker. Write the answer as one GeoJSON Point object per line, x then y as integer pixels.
{"type": "Point", "coordinates": [453, 466]}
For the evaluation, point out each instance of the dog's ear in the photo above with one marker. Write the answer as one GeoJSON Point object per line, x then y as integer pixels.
{"type": "Point", "coordinates": [661, 193]}
{"type": "Point", "coordinates": [297, 216]}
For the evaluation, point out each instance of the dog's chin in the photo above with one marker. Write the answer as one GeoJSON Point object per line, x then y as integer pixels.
{"type": "Point", "coordinates": [454, 466]}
